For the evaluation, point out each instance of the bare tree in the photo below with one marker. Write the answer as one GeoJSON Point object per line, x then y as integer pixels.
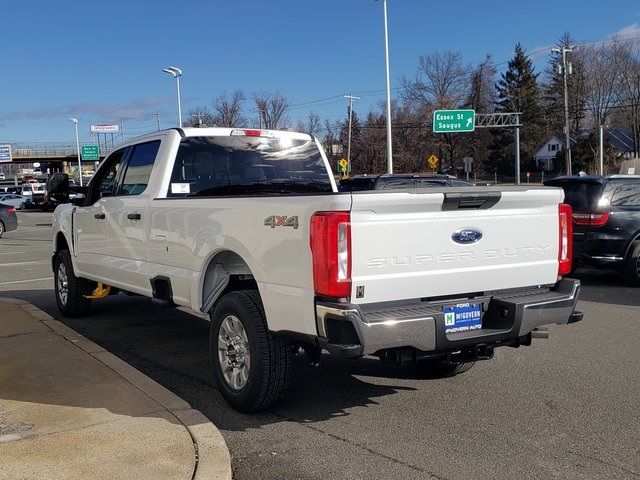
{"type": "Point", "coordinates": [442, 81]}
{"type": "Point", "coordinates": [200, 116]}
{"type": "Point", "coordinates": [228, 111]}
{"type": "Point", "coordinates": [627, 62]}
{"type": "Point", "coordinates": [312, 125]}
{"type": "Point", "coordinates": [600, 83]}
{"type": "Point", "coordinates": [272, 109]}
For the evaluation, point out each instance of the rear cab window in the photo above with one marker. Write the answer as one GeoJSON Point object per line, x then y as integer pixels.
{"type": "Point", "coordinates": [248, 165]}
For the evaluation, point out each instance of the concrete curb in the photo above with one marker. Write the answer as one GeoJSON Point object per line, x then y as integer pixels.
{"type": "Point", "coordinates": [213, 460]}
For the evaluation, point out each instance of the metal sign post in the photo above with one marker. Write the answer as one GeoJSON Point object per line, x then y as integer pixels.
{"type": "Point", "coordinates": [504, 120]}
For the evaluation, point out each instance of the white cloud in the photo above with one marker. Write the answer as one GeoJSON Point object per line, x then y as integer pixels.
{"type": "Point", "coordinates": [629, 30]}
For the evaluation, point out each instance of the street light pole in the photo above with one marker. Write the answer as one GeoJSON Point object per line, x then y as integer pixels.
{"type": "Point", "coordinates": [75, 123]}
{"type": "Point", "coordinates": [386, 50]}
{"type": "Point", "coordinates": [566, 70]}
{"type": "Point", "coordinates": [351, 98]}
{"type": "Point", "coordinates": [176, 73]}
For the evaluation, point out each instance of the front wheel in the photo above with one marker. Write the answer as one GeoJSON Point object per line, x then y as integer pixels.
{"type": "Point", "coordinates": [70, 290]}
{"type": "Point", "coordinates": [442, 368]}
{"type": "Point", "coordinates": [252, 367]}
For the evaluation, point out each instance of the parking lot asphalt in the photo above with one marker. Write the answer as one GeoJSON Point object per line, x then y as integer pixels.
{"type": "Point", "coordinates": [566, 407]}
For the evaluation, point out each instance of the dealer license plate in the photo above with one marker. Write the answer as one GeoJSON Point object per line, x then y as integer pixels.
{"type": "Point", "coordinates": [462, 317]}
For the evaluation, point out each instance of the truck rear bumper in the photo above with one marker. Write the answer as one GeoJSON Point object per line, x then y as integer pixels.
{"type": "Point", "coordinates": [355, 330]}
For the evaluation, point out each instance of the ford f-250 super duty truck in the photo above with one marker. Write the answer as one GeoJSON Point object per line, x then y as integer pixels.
{"type": "Point", "coordinates": [248, 227]}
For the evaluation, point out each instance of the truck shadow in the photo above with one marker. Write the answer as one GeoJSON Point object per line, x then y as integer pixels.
{"type": "Point", "coordinates": [171, 347]}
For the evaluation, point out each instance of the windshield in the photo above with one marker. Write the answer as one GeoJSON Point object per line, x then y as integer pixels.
{"type": "Point", "coordinates": [242, 165]}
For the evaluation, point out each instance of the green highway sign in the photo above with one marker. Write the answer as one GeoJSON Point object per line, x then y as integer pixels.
{"type": "Point", "coordinates": [454, 121]}
{"type": "Point", "coordinates": [90, 153]}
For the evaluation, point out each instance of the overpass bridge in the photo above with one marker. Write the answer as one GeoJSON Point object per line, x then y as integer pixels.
{"type": "Point", "coordinates": [50, 152]}
{"type": "Point", "coordinates": [51, 157]}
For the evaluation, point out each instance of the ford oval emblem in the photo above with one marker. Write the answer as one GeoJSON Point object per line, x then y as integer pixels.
{"type": "Point", "coordinates": [466, 236]}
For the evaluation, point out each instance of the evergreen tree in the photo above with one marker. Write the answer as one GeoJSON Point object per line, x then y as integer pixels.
{"type": "Point", "coordinates": [518, 92]}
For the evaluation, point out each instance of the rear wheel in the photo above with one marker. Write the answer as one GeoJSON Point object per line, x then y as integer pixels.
{"type": "Point", "coordinates": [631, 269]}
{"type": "Point", "coordinates": [70, 290]}
{"type": "Point", "coordinates": [1, 228]}
{"type": "Point", "coordinates": [442, 368]}
{"type": "Point", "coordinates": [251, 366]}
{"type": "Point", "coordinates": [23, 206]}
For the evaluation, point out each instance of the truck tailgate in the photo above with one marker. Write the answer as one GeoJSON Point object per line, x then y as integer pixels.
{"type": "Point", "coordinates": [406, 245]}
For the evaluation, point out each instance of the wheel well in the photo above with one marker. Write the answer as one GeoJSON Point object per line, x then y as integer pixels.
{"type": "Point", "coordinates": [226, 272]}
{"type": "Point", "coordinates": [61, 244]}
{"type": "Point", "coordinates": [629, 249]}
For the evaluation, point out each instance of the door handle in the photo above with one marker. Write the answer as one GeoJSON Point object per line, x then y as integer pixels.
{"type": "Point", "coordinates": [99, 216]}
{"type": "Point", "coordinates": [134, 216]}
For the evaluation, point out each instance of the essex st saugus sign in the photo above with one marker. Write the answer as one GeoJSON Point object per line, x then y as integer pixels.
{"type": "Point", "coordinates": [454, 121]}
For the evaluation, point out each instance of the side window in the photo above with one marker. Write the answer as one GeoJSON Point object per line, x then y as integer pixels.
{"type": "Point", "coordinates": [136, 177]}
{"type": "Point", "coordinates": [105, 182]}
{"type": "Point", "coordinates": [626, 196]}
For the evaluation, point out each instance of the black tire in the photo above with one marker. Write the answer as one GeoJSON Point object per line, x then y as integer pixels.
{"type": "Point", "coordinates": [442, 368]}
{"type": "Point", "coordinates": [270, 357]}
{"type": "Point", "coordinates": [631, 268]}
{"type": "Point", "coordinates": [2, 228]}
{"type": "Point", "coordinates": [73, 304]}
{"type": "Point", "coordinates": [23, 206]}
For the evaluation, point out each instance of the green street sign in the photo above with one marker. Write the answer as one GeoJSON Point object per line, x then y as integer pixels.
{"type": "Point", "coordinates": [90, 153]}
{"type": "Point", "coordinates": [454, 121]}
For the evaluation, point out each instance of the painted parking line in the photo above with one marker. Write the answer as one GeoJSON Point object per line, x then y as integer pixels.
{"type": "Point", "coordinates": [27, 281]}
{"type": "Point", "coordinates": [40, 262]}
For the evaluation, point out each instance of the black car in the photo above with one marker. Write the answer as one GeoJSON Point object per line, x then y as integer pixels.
{"type": "Point", "coordinates": [606, 222]}
{"type": "Point", "coordinates": [398, 182]}
{"type": "Point", "coordinates": [8, 219]}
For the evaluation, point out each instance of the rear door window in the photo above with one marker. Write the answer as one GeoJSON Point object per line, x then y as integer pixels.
{"type": "Point", "coordinates": [626, 195]}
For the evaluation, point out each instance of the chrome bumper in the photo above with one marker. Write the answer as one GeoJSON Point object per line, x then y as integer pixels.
{"type": "Point", "coordinates": [420, 326]}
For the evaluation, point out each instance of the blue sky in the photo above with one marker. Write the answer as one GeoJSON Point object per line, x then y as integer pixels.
{"type": "Point", "coordinates": [102, 61]}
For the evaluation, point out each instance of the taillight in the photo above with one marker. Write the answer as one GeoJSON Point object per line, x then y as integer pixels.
{"type": "Point", "coordinates": [591, 219]}
{"type": "Point", "coordinates": [11, 210]}
{"type": "Point", "coordinates": [565, 251]}
{"type": "Point", "coordinates": [331, 252]}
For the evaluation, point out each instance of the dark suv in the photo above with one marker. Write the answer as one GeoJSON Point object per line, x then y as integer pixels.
{"type": "Point", "coordinates": [399, 181]}
{"type": "Point", "coordinates": [606, 222]}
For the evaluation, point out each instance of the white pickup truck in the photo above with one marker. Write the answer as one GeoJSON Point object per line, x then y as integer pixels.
{"type": "Point", "coordinates": [248, 227]}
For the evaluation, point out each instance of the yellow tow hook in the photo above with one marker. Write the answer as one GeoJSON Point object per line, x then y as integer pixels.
{"type": "Point", "coordinates": [101, 291]}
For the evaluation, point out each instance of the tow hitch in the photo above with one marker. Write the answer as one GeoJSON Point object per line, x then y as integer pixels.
{"type": "Point", "coordinates": [472, 353]}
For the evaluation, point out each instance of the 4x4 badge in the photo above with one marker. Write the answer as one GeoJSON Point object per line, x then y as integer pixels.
{"type": "Point", "coordinates": [281, 221]}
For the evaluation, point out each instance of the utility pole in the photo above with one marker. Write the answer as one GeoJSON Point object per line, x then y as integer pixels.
{"type": "Point", "coordinates": [601, 149]}
{"type": "Point", "coordinates": [386, 51]}
{"type": "Point", "coordinates": [157, 115]}
{"type": "Point", "coordinates": [351, 98]}
{"type": "Point", "coordinates": [566, 70]}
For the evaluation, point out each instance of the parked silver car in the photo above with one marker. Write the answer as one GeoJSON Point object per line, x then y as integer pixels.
{"type": "Point", "coordinates": [15, 200]}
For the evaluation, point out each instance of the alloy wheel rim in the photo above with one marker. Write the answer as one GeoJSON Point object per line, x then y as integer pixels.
{"type": "Point", "coordinates": [638, 265]}
{"type": "Point", "coordinates": [63, 284]}
{"type": "Point", "coordinates": [233, 352]}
